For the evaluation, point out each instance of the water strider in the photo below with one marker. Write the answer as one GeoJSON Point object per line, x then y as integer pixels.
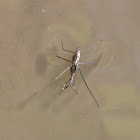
{"type": "Point", "coordinates": [73, 67]}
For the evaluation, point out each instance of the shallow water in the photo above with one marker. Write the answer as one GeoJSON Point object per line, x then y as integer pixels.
{"type": "Point", "coordinates": [31, 31]}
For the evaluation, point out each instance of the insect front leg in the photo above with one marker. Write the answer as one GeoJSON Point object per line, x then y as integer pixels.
{"type": "Point", "coordinates": [65, 85]}
{"type": "Point", "coordinates": [62, 57]}
{"type": "Point", "coordinates": [65, 49]}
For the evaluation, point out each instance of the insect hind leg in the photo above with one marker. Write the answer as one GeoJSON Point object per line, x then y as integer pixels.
{"type": "Point", "coordinates": [73, 89]}
{"type": "Point", "coordinates": [88, 87]}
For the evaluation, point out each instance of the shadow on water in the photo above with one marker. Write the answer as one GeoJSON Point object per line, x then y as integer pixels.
{"type": "Point", "coordinates": [45, 96]}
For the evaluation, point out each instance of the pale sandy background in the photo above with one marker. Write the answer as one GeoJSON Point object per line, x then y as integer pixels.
{"type": "Point", "coordinates": [30, 31]}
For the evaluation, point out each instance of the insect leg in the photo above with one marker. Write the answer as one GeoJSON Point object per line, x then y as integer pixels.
{"type": "Point", "coordinates": [37, 92]}
{"type": "Point", "coordinates": [102, 55]}
{"type": "Point", "coordinates": [92, 46]}
{"type": "Point", "coordinates": [73, 81]}
{"type": "Point", "coordinates": [87, 63]}
{"type": "Point", "coordinates": [64, 49]}
{"type": "Point", "coordinates": [88, 87]}
{"type": "Point", "coordinates": [62, 73]}
{"type": "Point", "coordinates": [73, 89]}
{"type": "Point", "coordinates": [65, 85]}
{"type": "Point", "coordinates": [62, 57]}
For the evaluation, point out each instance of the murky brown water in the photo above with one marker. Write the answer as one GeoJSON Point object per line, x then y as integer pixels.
{"type": "Point", "coordinates": [31, 31]}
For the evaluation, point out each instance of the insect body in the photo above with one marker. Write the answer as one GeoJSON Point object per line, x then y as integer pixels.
{"type": "Point", "coordinates": [73, 67]}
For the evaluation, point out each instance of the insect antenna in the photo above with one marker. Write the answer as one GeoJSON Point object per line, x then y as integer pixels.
{"type": "Point", "coordinates": [88, 87]}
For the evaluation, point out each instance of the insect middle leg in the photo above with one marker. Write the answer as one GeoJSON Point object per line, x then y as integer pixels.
{"type": "Point", "coordinates": [62, 73]}
{"type": "Point", "coordinates": [88, 63]}
{"type": "Point", "coordinates": [92, 46]}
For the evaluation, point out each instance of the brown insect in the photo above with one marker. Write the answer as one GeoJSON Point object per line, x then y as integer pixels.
{"type": "Point", "coordinates": [73, 67]}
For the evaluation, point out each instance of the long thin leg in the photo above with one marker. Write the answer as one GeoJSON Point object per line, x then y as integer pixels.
{"type": "Point", "coordinates": [62, 73]}
{"type": "Point", "coordinates": [92, 46]}
{"type": "Point", "coordinates": [88, 87]}
{"type": "Point", "coordinates": [73, 89]}
{"type": "Point", "coordinates": [62, 57]}
{"type": "Point", "coordinates": [65, 85]}
{"type": "Point", "coordinates": [96, 62]}
{"type": "Point", "coordinates": [74, 81]}
{"type": "Point", "coordinates": [102, 55]}
{"type": "Point", "coordinates": [37, 92]}
{"type": "Point", "coordinates": [87, 63]}
{"type": "Point", "coordinates": [66, 50]}
{"type": "Point", "coordinates": [71, 82]}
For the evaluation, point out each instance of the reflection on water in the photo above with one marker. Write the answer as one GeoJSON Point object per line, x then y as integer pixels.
{"type": "Point", "coordinates": [31, 31]}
